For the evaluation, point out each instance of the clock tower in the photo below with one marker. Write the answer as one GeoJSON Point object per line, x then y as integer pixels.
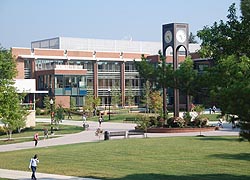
{"type": "Point", "coordinates": [174, 35]}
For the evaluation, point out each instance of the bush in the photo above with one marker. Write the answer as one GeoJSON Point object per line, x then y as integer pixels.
{"type": "Point", "coordinates": [2, 130]}
{"type": "Point", "coordinates": [187, 117]}
{"type": "Point", "coordinates": [176, 122]}
{"type": "Point", "coordinates": [145, 121]}
{"type": "Point", "coordinates": [38, 111]}
{"type": "Point", "coordinates": [200, 121]}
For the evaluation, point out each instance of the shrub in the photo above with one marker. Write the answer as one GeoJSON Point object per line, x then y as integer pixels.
{"type": "Point", "coordinates": [160, 121]}
{"type": "Point", "coordinates": [176, 122]}
{"type": "Point", "coordinates": [200, 121]}
{"type": "Point", "coordinates": [38, 111]}
{"type": "Point", "coordinates": [2, 130]}
{"type": "Point", "coordinates": [187, 117]}
{"type": "Point", "coordinates": [145, 121]}
{"type": "Point", "coordinates": [199, 109]}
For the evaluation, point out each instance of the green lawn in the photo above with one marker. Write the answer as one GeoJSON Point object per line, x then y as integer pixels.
{"type": "Point", "coordinates": [27, 134]}
{"type": "Point", "coordinates": [173, 158]}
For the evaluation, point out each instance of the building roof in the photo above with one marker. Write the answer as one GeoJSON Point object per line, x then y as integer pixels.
{"type": "Point", "coordinates": [69, 43]}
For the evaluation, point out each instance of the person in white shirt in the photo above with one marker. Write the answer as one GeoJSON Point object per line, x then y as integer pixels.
{"type": "Point", "coordinates": [33, 164]}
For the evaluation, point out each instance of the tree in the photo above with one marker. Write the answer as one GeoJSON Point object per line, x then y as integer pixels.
{"type": "Point", "coordinates": [229, 80]}
{"type": "Point", "coordinates": [146, 96]}
{"type": "Point", "coordinates": [47, 104]}
{"type": "Point", "coordinates": [192, 38]}
{"type": "Point", "coordinates": [156, 102]}
{"type": "Point", "coordinates": [232, 91]}
{"type": "Point", "coordinates": [160, 74]}
{"type": "Point", "coordinates": [186, 79]}
{"type": "Point", "coordinates": [91, 103]}
{"type": "Point", "coordinates": [146, 69]}
{"type": "Point", "coordinates": [226, 38]}
{"type": "Point", "coordinates": [116, 97]}
{"type": "Point", "coordinates": [59, 115]}
{"type": "Point", "coordinates": [12, 114]}
{"type": "Point", "coordinates": [245, 9]}
{"type": "Point", "coordinates": [7, 67]}
{"type": "Point", "coordinates": [130, 97]}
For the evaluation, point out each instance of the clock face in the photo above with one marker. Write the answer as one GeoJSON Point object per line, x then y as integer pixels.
{"type": "Point", "coordinates": [181, 35]}
{"type": "Point", "coordinates": [168, 36]}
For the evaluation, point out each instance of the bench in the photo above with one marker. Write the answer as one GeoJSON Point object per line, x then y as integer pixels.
{"type": "Point", "coordinates": [134, 133]}
{"type": "Point", "coordinates": [130, 119]}
{"type": "Point", "coordinates": [117, 133]}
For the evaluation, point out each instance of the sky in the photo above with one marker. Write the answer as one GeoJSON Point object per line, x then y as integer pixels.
{"type": "Point", "coordinates": [23, 21]}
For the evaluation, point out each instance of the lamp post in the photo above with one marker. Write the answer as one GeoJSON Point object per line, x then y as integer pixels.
{"type": "Point", "coordinates": [51, 115]}
{"type": "Point", "coordinates": [109, 90]}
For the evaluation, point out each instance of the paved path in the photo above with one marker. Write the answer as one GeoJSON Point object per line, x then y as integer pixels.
{"type": "Point", "coordinates": [23, 175]}
{"type": "Point", "coordinates": [89, 136]}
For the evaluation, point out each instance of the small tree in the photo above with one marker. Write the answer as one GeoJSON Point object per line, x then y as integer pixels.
{"type": "Point", "coordinates": [91, 103]}
{"type": "Point", "coordinates": [116, 97]}
{"type": "Point", "coordinates": [156, 102]}
{"type": "Point", "coordinates": [146, 101]}
{"type": "Point", "coordinates": [59, 115]}
{"type": "Point", "coordinates": [47, 104]}
{"type": "Point", "coordinates": [72, 104]}
{"type": "Point", "coordinates": [130, 97]}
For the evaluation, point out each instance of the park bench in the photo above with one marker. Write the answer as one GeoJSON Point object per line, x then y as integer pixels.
{"type": "Point", "coordinates": [134, 133]}
{"type": "Point", "coordinates": [117, 133]}
{"type": "Point", "coordinates": [130, 119]}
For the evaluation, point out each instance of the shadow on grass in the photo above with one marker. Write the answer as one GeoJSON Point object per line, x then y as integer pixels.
{"type": "Point", "coordinates": [176, 177]}
{"type": "Point", "coordinates": [241, 156]}
{"type": "Point", "coordinates": [219, 138]}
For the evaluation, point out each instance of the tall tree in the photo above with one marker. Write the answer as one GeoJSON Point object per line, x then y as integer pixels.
{"type": "Point", "coordinates": [12, 114]}
{"type": "Point", "coordinates": [229, 44]}
{"type": "Point", "coordinates": [245, 9]}
{"type": "Point", "coordinates": [159, 73]}
{"type": "Point", "coordinates": [186, 79]}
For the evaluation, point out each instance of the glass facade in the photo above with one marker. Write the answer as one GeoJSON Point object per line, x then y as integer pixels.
{"type": "Point", "coordinates": [77, 86]}
{"type": "Point", "coordinates": [70, 85]}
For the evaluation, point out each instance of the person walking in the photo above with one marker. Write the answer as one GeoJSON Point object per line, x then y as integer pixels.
{"type": "Point", "coordinates": [36, 138]}
{"type": "Point", "coordinates": [214, 109]}
{"type": "Point", "coordinates": [84, 118]}
{"type": "Point", "coordinates": [33, 165]}
{"type": "Point", "coordinates": [100, 120]}
{"type": "Point", "coordinates": [69, 114]}
{"type": "Point", "coordinates": [45, 133]}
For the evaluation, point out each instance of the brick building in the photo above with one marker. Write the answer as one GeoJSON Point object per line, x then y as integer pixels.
{"type": "Point", "coordinates": [71, 68]}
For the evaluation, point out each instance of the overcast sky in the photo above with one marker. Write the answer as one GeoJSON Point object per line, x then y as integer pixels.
{"type": "Point", "coordinates": [23, 21]}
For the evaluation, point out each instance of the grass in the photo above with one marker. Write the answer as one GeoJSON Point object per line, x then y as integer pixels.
{"type": "Point", "coordinates": [27, 134]}
{"type": "Point", "coordinates": [211, 117]}
{"type": "Point", "coordinates": [172, 158]}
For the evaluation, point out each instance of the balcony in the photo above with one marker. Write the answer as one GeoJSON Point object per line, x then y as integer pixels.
{"type": "Point", "coordinates": [42, 67]}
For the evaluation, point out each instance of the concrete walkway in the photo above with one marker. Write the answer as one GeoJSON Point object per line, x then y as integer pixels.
{"type": "Point", "coordinates": [24, 175]}
{"type": "Point", "coordinates": [89, 136]}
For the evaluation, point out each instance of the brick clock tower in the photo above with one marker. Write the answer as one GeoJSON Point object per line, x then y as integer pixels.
{"type": "Point", "coordinates": [174, 35]}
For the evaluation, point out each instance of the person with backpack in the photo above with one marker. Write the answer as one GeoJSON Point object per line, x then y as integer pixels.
{"type": "Point", "coordinates": [33, 165]}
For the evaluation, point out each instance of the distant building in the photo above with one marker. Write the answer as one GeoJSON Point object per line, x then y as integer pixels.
{"type": "Point", "coordinates": [71, 68]}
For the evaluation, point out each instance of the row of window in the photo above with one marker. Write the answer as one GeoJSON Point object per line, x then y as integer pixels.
{"type": "Point", "coordinates": [43, 64]}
